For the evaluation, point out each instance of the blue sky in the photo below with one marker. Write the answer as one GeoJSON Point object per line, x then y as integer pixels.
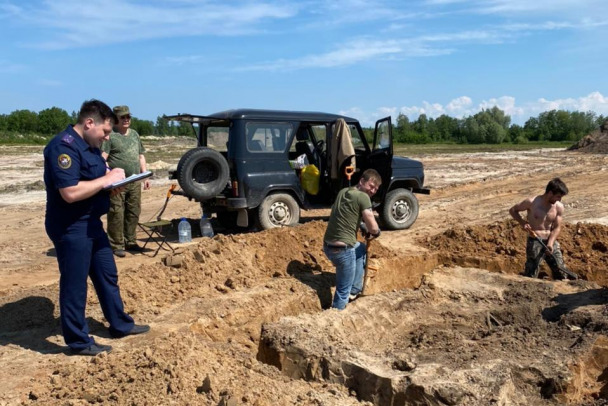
{"type": "Point", "coordinates": [363, 58]}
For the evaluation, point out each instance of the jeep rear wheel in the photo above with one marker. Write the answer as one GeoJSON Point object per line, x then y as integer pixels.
{"type": "Point", "coordinates": [202, 173]}
{"type": "Point", "coordinates": [278, 210]}
{"type": "Point", "coordinates": [400, 209]}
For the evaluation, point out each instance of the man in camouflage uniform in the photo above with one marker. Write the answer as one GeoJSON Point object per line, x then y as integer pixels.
{"type": "Point", "coordinates": [125, 150]}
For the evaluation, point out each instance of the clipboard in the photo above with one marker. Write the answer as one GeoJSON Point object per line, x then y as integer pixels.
{"type": "Point", "coordinates": [130, 179]}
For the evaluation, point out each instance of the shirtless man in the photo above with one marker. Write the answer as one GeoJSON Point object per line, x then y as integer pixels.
{"type": "Point", "coordinates": [544, 217]}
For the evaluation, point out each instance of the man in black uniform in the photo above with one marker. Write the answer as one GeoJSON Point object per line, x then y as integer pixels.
{"type": "Point", "coordinates": [75, 175]}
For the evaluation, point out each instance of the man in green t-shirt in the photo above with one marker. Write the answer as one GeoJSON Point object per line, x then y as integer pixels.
{"type": "Point", "coordinates": [125, 150]}
{"type": "Point", "coordinates": [340, 244]}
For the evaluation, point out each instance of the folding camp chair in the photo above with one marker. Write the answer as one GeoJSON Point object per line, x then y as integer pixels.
{"type": "Point", "coordinates": [154, 229]}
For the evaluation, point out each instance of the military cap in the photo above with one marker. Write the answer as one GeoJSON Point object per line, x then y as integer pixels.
{"type": "Point", "coordinates": [121, 111]}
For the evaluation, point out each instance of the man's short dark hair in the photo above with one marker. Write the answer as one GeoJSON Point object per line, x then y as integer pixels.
{"type": "Point", "coordinates": [557, 187]}
{"type": "Point", "coordinates": [372, 174]}
{"type": "Point", "coordinates": [97, 110]}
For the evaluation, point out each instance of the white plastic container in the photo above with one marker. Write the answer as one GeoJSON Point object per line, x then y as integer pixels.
{"type": "Point", "coordinates": [184, 231]}
{"type": "Point", "coordinates": [206, 228]}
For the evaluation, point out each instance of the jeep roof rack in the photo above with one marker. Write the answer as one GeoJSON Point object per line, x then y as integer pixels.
{"type": "Point", "coordinates": [257, 114]}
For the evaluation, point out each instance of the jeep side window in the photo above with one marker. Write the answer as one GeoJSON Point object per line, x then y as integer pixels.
{"type": "Point", "coordinates": [356, 137]}
{"type": "Point", "coordinates": [217, 138]}
{"type": "Point", "coordinates": [267, 137]}
{"type": "Point", "coordinates": [383, 136]}
{"type": "Point", "coordinates": [320, 134]}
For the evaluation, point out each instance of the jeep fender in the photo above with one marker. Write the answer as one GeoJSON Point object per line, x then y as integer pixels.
{"type": "Point", "coordinates": [298, 195]}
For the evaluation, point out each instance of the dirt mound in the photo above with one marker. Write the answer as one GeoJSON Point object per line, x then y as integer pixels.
{"type": "Point", "coordinates": [180, 368]}
{"type": "Point", "coordinates": [501, 247]}
{"type": "Point", "coordinates": [596, 142]}
{"type": "Point", "coordinates": [206, 313]}
{"type": "Point", "coordinates": [208, 305]}
{"type": "Point", "coordinates": [466, 337]}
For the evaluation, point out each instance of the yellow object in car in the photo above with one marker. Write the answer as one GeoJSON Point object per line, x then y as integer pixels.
{"type": "Point", "coordinates": [309, 177]}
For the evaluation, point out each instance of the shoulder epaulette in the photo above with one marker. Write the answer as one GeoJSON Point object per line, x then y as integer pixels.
{"type": "Point", "coordinates": [67, 138]}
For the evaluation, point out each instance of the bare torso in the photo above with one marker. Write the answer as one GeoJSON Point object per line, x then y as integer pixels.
{"type": "Point", "coordinates": [542, 216]}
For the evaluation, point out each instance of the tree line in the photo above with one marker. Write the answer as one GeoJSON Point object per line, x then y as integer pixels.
{"type": "Point", "coordinates": [490, 126]}
{"type": "Point", "coordinates": [493, 126]}
{"type": "Point", "coordinates": [51, 121]}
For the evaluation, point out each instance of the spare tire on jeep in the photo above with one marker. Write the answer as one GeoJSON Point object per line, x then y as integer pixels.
{"type": "Point", "coordinates": [202, 173]}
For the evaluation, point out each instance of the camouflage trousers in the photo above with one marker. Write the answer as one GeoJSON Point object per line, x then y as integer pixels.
{"type": "Point", "coordinates": [123, 216]}
{"type": "Point", "coordinates": [535, 253]}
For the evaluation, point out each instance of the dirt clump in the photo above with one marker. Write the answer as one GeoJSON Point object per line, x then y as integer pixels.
{"type": "Point", "coordinates": [501, 247]}
{"type": "Point", "coordinates": [596, 142]}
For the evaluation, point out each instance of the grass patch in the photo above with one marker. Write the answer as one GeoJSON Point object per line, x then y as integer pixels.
{"type": "Point", "coordinates": [420, 149]}
{"type": "Point", "coordinates": [23, 139]}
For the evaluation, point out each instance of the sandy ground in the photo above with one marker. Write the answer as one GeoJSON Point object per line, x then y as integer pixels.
{"type": "Point", "coordinates": [209, 309]}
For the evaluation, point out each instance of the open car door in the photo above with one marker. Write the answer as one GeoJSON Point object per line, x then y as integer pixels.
{"type": "Point", "coordinates": [382, 150]}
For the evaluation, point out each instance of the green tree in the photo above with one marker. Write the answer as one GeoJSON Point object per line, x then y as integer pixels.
{"type": "Point", "coordinates": [421, 125]}
{"type": "Point", "coordinates": [516, 134]}
{"type": "Point", "coordinates": [500, 117]}
{"type": "Point", "coordinates": [471, 131]}
{"type": "Point", "coordinates": [185, 129]}
{"type": "Point", "coordinates": [23, 121]}
{"type": "Point", "coordinates": [447, 128]}
{"type": "Point", "coordinates": [52, 121]}
{"type": "Point", "coordinates": [403, 122]}
{"type": "Point", "coordinates": [531, 129]}
{"type": "Point", "coordinates": [162, 126]}
{"type": "Point", "coordinates": [494, 133]}
{"type": "Point", "coordinates": [143, 127]}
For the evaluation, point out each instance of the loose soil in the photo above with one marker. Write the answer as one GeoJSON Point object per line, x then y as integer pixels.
{"type": "Point", "coordinates": [243, 319]}
{"type": "Point", "coordinates": [596, 142]}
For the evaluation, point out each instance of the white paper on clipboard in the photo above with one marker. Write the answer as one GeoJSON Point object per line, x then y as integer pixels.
{"type": "Point", "coordinates": [130, 179]}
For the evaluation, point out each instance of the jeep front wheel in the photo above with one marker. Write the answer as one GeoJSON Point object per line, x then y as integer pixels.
{"type": "Point", "coordinates": [202, 173]}
{"type": "Point", "coordinates": [400, 209]}
{"type": "Point", "coordinates": [278, 210]}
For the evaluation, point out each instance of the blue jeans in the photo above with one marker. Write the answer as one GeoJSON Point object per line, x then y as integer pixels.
{"type": "Point", "coordinates": [349, 263]}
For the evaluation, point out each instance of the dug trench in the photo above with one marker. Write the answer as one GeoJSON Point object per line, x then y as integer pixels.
{"type": "Point", "coordinates": [240, 319]}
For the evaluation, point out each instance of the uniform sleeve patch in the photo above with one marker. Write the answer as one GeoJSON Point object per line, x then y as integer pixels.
{"type": "Point", "coordinates": [67, 138]}
{"type": "Point", "coordinates": [64, 161]}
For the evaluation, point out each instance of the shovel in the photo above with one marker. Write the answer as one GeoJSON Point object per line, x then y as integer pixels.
{"type": "Point", "coordinates": [366, 275]}
{"type": "Point", "coordinates": [562, 268]}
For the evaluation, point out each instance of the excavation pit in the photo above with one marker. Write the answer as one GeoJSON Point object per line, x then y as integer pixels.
{"type": "Point", "coordinates": [253, 308]}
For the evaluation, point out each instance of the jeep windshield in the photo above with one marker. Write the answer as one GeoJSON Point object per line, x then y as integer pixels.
{"type": "Point", "coordinates": [211, 132]}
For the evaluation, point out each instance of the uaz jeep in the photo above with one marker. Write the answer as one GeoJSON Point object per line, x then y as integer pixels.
{"type": "Point", "coordinates": [242, 169]}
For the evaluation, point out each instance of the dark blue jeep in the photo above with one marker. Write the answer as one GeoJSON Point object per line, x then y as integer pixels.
{"type": "Point", "coordinates": [243, 168]}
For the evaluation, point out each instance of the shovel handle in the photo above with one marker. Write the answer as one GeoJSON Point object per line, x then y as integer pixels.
{"type": "Point", "coordinates": [366, 269]}
{"type": "Point", "coordinates": [348, 171]}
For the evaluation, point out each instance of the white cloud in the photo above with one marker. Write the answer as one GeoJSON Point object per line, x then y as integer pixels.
{"type": "Point", "coordinates": [99, 22]}
{"type": "Point", "coordinates": [525, 7]}
{"type": "Point", "coordinates": [568, 7]}
{"type": "Point", "coordinates": [10, 67]}
{"type": "Point", "coordinates": [351, 53]}
{"type": "Point", "coordinates": [359, 50]}
{"type": "Point", "coordinates": [463, 107]}
{"type": "Point", "coordinates": [183, 60]}
{"type": "Point", "coordinates": [594, 101]}
{"type": "Point", "coordinates": [505, 103]}
{"type": "Point", "coordinates": [459, 106]}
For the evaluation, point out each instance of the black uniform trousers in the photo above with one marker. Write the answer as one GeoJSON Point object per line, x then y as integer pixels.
{"type": "Point", "coordinates": [84, 251]}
